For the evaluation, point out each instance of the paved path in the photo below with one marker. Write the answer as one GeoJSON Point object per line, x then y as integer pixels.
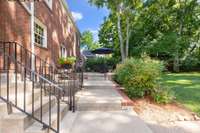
{"type": "Point", "coordinates": [99, 96]}
{"type": "Point", "coordinates": [177, 127]}
{"type": "Point", "coordinates": [100, 111]}
{"type": "Point", "coordinates": [104, 122]}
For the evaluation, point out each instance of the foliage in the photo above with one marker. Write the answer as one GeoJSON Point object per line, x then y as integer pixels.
{"type": "Point", "coordinates": [190, 63]}
{"type": "Point", "coordinates": [87, 41]}
{"type": "Point", "coordinates": [162, 95]}
{"type": "Point", "coordinates": [101, 64]}
{"type": "Point", "coordinates": [125, 11]}
{"type": "Point", "coordinates": [68, 60]}
{"type": "Point", "coordinates": [140, 78]}
{"type": "Point", "coordinates": [164, 29]}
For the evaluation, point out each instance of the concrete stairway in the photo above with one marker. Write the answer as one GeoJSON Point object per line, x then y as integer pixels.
{"type": "Point", "coordinates": [100, 110]}
{"type": "Point", "coordinates": [19, 122]}
{"type": "Point", "coordinates": [98, 94]}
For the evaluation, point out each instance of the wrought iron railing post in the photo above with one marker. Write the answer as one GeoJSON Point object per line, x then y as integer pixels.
{"type": "Point", "coordinates": [73, 91]}
{"type": "Point", "coordinates": [16, 68]}
{"type": "Point", "coordinates": [58, 111]}
{"type": "Point", "coordinates": [25, 64]}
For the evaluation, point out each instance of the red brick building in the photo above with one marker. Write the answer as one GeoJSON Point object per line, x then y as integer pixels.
{"type": "Point", "coordinates": [45, 27]}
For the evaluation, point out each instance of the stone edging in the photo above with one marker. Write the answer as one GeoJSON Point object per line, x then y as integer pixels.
{"type": "Point", "coordinates": [126, 100]}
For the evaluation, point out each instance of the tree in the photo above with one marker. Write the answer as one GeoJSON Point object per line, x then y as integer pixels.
{"type": "Point", "coordinates": [122, 9]}
{"type": "Point", "coordinates": [87, 41]}
{"type": "Point", "coordinates": [108, 35]}
{"type": "Point", "coordinates": [164, 29]}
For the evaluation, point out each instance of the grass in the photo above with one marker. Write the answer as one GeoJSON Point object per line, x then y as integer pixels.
{"type": "Point", "coordinates": [186, 87]}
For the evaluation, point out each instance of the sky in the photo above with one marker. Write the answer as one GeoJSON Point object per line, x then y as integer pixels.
{"type": "Point", "coordinates": [87, 17]}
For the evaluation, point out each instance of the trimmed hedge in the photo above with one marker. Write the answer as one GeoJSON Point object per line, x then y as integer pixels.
{"type": "Point", "coordinates": [101, 64]}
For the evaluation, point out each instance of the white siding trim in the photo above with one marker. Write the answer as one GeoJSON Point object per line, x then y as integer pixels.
{"type": "Point", "coordinates": [32, 35]}
{"type": "Point", "coordinates": [26, 7]}
{"type": "Point", "coordinates": [49, 3]}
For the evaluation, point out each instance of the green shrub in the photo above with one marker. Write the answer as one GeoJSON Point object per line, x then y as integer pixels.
{"type": "Point", "coordinates": [191, 63]}
{"type": "Point", "coordinates": [162, 95]}
{"type": "Point", "coordinates": [139, 76]}
{"type": "Point", "coordinates": [100, 64]}
{"type": "Point", "coordinates": [67, 60]}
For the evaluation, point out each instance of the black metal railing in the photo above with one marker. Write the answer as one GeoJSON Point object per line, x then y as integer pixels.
{"type": "Point", "coordinates": [15, 59]}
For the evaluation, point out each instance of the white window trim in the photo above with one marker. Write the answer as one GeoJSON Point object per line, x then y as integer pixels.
{"type": "Point", "coordinates": [49, 3]}
{"type": "Point", "coordinates": [37, 21]}
{"type": "Point", "coordinates": [63, 53]}
{"type": "Point", "coordinates": [26, 7]}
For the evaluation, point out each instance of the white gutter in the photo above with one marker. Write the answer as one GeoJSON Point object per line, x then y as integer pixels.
{"type": "Point", "coordinates": [32, 36]}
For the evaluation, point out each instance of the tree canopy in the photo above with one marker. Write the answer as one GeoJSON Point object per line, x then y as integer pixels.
{"type": "Point", "coordinates": [165, 29]}
{"type": "Point", "coordinates": [87, 41]}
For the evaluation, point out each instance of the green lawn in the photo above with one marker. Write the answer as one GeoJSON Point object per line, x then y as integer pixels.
{"type": "Point", "coordinates": [187, 89]}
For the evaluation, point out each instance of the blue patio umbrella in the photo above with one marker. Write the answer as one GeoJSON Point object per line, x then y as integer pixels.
{"type": "Point", "coordinates": [103, 51]}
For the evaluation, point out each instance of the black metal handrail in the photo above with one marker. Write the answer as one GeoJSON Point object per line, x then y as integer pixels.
{"type": "Point", "coordinates": [41, 66]}
{"type": "Point", "coordinates": [16, 57]}
{"type": "Point", "coordinates": [48, 93]}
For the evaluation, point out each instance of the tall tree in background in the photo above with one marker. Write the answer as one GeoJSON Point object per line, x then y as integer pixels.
{"type": "Point", "coordinates": [87, 41]}
{"type": "Point", "coordinates": [123, 9]}
{"type": "Point", "coordinates": [108, 34]}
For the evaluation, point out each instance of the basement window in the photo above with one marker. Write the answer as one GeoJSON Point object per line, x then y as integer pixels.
{"type": "Point", "coordinates": [40, 34]}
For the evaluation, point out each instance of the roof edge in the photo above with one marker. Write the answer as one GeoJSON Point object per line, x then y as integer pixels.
{"type": "Point", "coordinates": [70, 14]}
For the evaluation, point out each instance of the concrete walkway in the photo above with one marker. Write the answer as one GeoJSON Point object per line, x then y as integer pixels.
{"type": "Point", "coordinates": [100, 110]}
{"type": "Point", "coordinates": [177, 127]}
{"type": "Point", "coordinates": [99, 96]}
{"type": "Point", "coordinates": [104, 122]}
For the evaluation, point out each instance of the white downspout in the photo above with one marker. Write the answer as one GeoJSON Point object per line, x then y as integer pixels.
{"type": "Point", "coordinates": [32, 36]}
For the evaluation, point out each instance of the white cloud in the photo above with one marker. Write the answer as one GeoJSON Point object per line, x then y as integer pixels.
{"type": "Point", "coordinates": [94, 31]}
{"type": "Point", "coordinates": [77, 16]}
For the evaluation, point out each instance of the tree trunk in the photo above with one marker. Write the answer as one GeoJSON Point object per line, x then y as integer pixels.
{"type": "Point", "coordinates": [120, 33]}
{"type": "Point", "coordinates": [176, 57]}
{"type": "Point", "coordinates": [176, 62]}
{"type": "Point", "coordinates": [127, 36]}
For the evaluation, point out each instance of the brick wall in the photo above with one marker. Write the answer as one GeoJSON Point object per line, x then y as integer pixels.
{"type": "Point", "coordinates": [14, 23]}
{"type": "Point", "coordinates": [15, 26]}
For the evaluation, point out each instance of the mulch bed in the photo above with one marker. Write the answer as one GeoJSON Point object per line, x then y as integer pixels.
{"type": "Point", "coordinates": [150, 111]}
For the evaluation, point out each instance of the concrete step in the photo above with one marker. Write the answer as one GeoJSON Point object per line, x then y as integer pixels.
{"type": "Point", "coordinates": [104, 122]}
{"type": "Point", "coordinates": [99, 100]}
{"type": "Point", "coordinates": [95, 76]}
{"type": "Point", "coordinates": [3, 109]}
{"type": "Point", "coordinates": [12, 87]}
{"type": "Point", "coordinates": [98, 76]}
{"type": "Point", "coordinates": [20, 97]}
{"type": "Point", "coordinates": [67, 122]}
{"type": "Point", "coordinates": [91, 84]}
{"type": "Point", "coordinates": [38, 128]}
{"type": "Point", "coordinates": [19, 121]}
{"type": "Point", "coordinates": [3, 77]}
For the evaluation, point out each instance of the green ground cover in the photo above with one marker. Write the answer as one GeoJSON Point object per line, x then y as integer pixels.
{"type": "Point", "coordinates": [187, 89]}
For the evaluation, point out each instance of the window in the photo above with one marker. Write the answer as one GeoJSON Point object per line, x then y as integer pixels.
{"type": "Point", "coordinates": [49, 3]}
{"type": "Point", "coordinates": [40, 34]}
{"type": "Point", "coordinates": [63, 51]}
